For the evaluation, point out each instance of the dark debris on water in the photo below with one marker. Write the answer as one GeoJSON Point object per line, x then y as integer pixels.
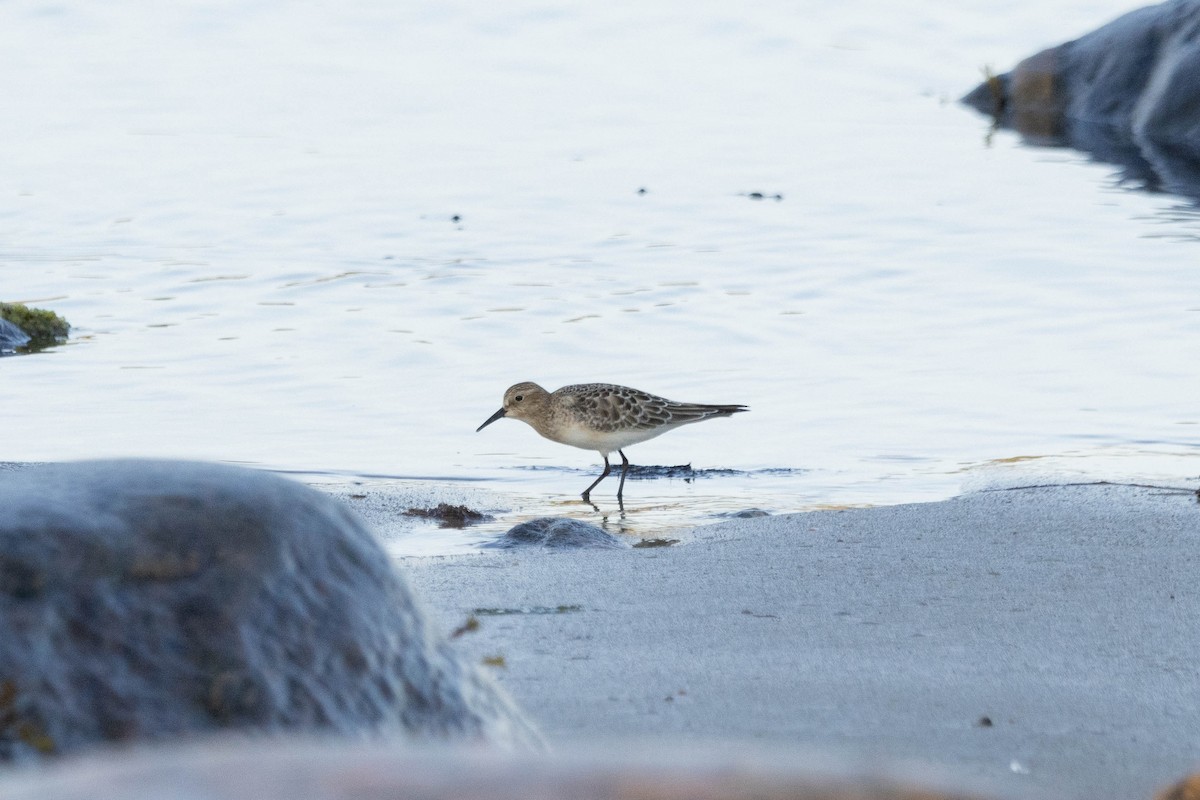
{"type": "Point", "coordinates": [450, 516]}
{"type": "Point", "coordinates": [655, 542]}
{"type": "Point", "coordinates": [651, 471]}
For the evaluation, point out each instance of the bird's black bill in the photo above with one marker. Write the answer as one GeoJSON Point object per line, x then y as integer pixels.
{"type": "Point", "coordinates": [490, 420]}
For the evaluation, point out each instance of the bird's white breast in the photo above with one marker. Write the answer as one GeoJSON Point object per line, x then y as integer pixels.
{"type": "Point", "coordinates": [602, 441]}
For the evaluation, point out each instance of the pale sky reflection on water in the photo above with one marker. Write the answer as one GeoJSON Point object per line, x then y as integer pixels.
{"type": "Point", "coordinates": [248, 214]}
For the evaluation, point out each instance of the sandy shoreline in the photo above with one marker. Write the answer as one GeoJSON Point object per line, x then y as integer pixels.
{"type": "Point", "coordinates": [1066, 616]}
{"type": "Point", "coordinates": [1035, 642]}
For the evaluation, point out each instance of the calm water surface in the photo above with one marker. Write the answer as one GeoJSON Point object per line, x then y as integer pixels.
{"type": "Point", "coordinates": [325, 239]}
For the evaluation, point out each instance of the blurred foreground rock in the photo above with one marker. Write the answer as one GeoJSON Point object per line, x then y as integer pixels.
{"type": "Point", "coordinates": [1127, 93]}
{"type": "Point", "coordinates": [306, 770]}
{"type": "Point", "coordinates": [146, 600]}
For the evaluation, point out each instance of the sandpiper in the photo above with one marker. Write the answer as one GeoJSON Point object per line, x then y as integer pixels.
{"type": "Point", "coordinates": [601, 416]}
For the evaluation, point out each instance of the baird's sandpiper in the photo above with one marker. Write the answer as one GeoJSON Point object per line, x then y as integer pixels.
{"type": "Point", "coordinates": [601, 417]}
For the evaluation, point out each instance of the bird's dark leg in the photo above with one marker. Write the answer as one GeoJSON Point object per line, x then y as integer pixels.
{"type": "Point", "coordinates": [603, 475]}
{"type": "Point", "coordinates": [624, 472]}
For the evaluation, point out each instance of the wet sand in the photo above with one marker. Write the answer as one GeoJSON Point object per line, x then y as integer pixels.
{"type": "Point", "coordinates": [1027, 642]}
{"type": "Point", "coordinates": [1031, 642]}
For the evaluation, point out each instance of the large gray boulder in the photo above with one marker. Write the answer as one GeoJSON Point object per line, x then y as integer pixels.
{"type": "Point", "coordinates": [145, 600]}
{"type": "Point", "coordinates": [1128, 93]}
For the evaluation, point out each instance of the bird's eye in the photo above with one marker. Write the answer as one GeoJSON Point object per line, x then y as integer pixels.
{"type": "Point", "coordinates": [519, 398]}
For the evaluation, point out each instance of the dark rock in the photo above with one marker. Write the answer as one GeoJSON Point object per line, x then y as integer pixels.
{"type": "Point", "coordinates": [557, 532]}
{"type": "Point", "coordinates": [144, 600]}
{"type": "Point", "coordinates": [746, 513]}
{"type": "Point", "coordinates": [11, 336]}
{"type": "Point", "coordinates": [41, 328]}
{"type": "Point", "coordinates": [1126, 93]}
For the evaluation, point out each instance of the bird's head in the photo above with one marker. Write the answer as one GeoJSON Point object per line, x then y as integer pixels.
{"type": "Point", "coordinates": [523, 401]}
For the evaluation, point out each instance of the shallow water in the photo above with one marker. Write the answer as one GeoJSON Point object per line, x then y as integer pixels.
{"type": "Point", "coordinates": [248, 213]}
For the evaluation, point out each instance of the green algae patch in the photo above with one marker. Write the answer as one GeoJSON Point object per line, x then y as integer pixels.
{"type": "Point", "coordinates": [44, 328]}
